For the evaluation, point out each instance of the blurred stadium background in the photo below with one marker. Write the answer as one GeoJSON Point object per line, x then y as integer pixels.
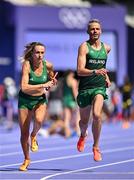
{"type": "Point", "coordinates": [61, 26]}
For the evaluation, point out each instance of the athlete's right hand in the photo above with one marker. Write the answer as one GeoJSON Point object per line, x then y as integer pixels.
{"type": "Point", "coordinates": [101, 71]}
{"type": "Point", "coordinates": [48, 85]}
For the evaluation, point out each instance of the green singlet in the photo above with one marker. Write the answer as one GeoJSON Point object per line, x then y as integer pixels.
{"type": "Point", "coordinates": [90, 86]}
{"type": "Point", "coordinates": [68, 98]}
{"type": "Point", "coordinates": [28, 101]}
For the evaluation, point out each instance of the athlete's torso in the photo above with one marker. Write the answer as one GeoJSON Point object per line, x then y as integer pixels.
{"type": "Point", "coordinates": [67, 92]}
{"type": "Point", "coordinates": [34, 79]}
{"type": "Point", "coordinates": [95, 59]}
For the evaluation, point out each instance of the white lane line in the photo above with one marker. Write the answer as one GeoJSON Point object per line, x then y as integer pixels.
{"type": "Point", "coordinates": [59, 148]}
{"type": "Point", "coordinates": [94, 167]}
{"type": "Point", "coordinates": [71, 156]}
{"type": "Point", "coordinates": [77, 173]}
{"type": "Point", "coordinates": [41, 150]}
{"type": "Point", "coordinates": [51, 159]}
{"type": "Point", "coordinates": [60, 141]}
{"type": "Point", "coordinates": [9, 146]}
{"type": "Point", "coordinates": [73, 179]}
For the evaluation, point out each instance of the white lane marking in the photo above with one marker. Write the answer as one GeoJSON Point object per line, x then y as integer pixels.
{"type": "Point", "coordinates": [60, 140]}
{"type": "Point", "coordinates": [77, 173]}
{"type": "Point", "coordinates": [94, 167]}
{"type": "Point", "coordinates": [71, 156]}
{"type": "Point", "coordinates": [73, 179]}
{"type": "Point", "coordinates": [17, 144]}
{"type": "Point", "coordinates": [47, 160]}
{"type": "Point", "coordinates": [41, 150]}
{"type": "Point", "coordinates": [59, 148]}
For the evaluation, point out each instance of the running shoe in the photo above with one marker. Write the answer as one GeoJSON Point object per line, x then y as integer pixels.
{"type": "Point", "coordinates": [34, 144]}
{"type": "Point", "coordinates": [25, 164]}
{"type": "Point", "coordinates": [81, 143]}
{"type": "Point", "coordinates": [97, 154]}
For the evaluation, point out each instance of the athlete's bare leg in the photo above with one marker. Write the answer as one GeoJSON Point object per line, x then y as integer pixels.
{"type": "Point", "coordinates": [39, 115]}
{"type": "Point", "coordinates": [67, 119]}
{"type": "Point", "coordinates": [96, 125]}
{"type": "Point", "coordinates": [83, 123]}
{"type": "Point", "coordinates": [24, 122]}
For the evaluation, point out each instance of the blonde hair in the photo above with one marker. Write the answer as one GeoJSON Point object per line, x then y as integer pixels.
{"type": "Point", "coordinates": [29, 48]}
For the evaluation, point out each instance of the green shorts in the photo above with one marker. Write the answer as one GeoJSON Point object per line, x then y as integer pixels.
{"type": "Point", "coordinates": [70, 104]}
{"type": "Point", "coordinates": [26, 101]}
{"type": "Point", "coordinates": [85, 97]}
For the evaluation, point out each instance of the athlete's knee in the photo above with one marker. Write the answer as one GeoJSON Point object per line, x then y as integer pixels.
{"type": "Point", "coordinates": [97, 116]}
{"type": "Point", "coordinates": [39, 119]}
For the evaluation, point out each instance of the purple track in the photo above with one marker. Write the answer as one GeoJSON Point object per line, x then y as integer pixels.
{"type": "Point", "coordinates": [58, 158]}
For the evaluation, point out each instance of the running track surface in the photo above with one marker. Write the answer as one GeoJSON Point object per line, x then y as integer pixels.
{"type": "Point", "coordinates": [58, 158]}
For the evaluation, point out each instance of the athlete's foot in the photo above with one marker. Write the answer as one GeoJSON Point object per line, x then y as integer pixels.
{"type": "Point", "coordinates": [97, 154]}
{"type": "Point", "coordinates": [81, 142]}
{"type": "Point", "coordinates": [34, 144]}
{"type": "Point", "coordinates": [25, 164]}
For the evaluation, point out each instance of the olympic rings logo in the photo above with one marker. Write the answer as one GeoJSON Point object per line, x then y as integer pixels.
{"type": "Point", "coordinates": [74, 17]}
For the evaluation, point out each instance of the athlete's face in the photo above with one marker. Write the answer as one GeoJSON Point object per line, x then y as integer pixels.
{"type": "Point", "coordinates": [38, 53]}
{"type": "Point", "coordinates": [94, 31]}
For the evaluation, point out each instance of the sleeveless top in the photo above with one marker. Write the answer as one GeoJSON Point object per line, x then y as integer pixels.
{"type": "Point", "coordinates": [34, 79]}
{"type": "Point", "coordinates": [68, 97]}
{"type": "Point", "coordinates": [95, 59]}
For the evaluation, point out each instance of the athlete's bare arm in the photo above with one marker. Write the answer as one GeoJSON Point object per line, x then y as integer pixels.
{"type": "Point", "coordinates": [108, 49]}
{"type": "Point", "coordinates": [81, 61]}
{"type": "Point", "coordinates": [50, 69]}
{"type": "Point", "coordinates": [51, 73]}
